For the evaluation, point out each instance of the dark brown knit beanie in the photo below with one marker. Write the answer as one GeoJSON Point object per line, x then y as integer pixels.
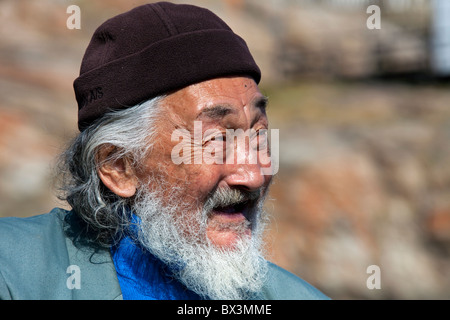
{"type": "Point", "coordinates": [155, 49]}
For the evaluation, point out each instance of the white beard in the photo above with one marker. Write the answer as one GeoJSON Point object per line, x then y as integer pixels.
{"type": "Point", "coordinates": [177, 236]}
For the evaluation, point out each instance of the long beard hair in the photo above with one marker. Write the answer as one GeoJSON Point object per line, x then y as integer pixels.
{"type": "Point", "coordinates": [176, 234]}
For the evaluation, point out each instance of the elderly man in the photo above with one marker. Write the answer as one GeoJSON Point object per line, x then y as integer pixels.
{"type": "Point", "coordinates": [147, 222]}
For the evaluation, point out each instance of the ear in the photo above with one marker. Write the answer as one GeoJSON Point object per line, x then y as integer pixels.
{"type": "Point", "coordinates": [117, 175]}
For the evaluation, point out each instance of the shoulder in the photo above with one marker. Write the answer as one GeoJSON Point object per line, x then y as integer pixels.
{"type": "Point", "coordinates": [34, 224]}
{"type": "Point", "coordinates": [37, 256]}
{"type": "Point", "coordinates": [283, 285]}
{"type": "Point", "coordinates": [22, 235]}
{"type": "Point", "coordinates": [31, 253]}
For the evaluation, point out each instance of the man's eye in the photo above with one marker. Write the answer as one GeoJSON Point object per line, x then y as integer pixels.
{"type": "Point", "coordinates": [262, 133]}
{"type": "Point", "coordinates": [220, 137]}
{"type": "Point", "coordinates": [217, 137]}
{"type": "Point", "coordinates": [259, 139]}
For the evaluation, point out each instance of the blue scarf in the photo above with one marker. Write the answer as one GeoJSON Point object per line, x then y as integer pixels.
{"type": "Point", "coordinates": [142, 276]}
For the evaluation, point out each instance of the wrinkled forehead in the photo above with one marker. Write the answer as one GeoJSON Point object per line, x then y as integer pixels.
{"type": "Point", "coordinates": [234, 93]}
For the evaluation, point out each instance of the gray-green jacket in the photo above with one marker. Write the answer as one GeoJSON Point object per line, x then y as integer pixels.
{"type": "Point", "coordinates": [38, 261]}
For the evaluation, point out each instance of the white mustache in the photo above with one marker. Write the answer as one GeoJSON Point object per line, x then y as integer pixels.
{"type": "Point", "coordinates": [225, 197]}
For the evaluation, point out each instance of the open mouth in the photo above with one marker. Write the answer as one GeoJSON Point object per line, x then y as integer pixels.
{"type": "Point", "coordinates": [239, 211]}
{"type": "Point", "coordinates": [232, 209]}
{"type": "Point", "coordinates": [232, 205]}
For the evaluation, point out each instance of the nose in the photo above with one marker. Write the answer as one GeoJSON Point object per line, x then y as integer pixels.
{"type": "Point", "coordinates": [246, 176]}
{"type": "Point", "coordinates": [244, 169]}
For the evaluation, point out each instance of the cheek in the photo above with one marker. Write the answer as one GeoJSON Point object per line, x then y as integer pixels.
{"type": "Point", "coordinates": [201, 180]}
{"type": "Point", "coordinates": [194, 182]}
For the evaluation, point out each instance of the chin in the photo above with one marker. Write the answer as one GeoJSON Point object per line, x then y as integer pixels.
{"type": "Point", "coordinates": [227, 239]}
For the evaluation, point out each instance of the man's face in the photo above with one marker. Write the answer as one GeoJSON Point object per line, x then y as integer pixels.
{"type": "Point", "coordinates": [219, 104]}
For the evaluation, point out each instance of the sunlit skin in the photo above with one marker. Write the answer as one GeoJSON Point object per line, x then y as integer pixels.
{"type": "Point", "coordinates": [223, 103]}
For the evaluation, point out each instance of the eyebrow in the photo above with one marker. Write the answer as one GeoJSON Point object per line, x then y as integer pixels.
{"type": "Point", "coordinates": [221, 110]}
{"type": "Point", "coordinates": [261, 103]}
{"type": "Point", "coordinates": [217, 112]}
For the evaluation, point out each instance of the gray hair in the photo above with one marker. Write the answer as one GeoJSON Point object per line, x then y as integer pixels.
{"type": "Point", "coordinates": [101, 213]}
